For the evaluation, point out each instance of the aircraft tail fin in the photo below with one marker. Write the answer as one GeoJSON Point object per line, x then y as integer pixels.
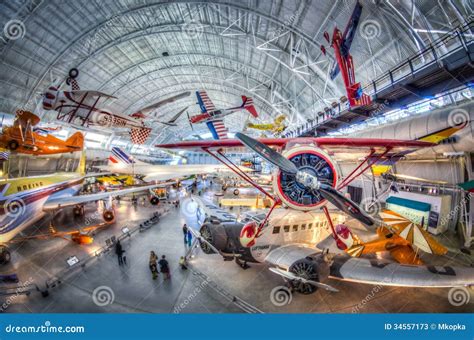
{"type": "Point", "coordinates": [120, 157]}
{"type": "Point", "coordinates": [76, 141]}
{"type": "Point", "coordinates": [81, 167]}
{"type": "Point", "coordinates": [247, 103]}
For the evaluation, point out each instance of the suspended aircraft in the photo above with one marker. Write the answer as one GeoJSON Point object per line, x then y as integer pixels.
{"type": "Point", "coordinates": [122, 163]}
{"type": "Point", "coordinates": [214, 117]}
{"type": "Point", "coordinates": [24, 201]}
{"type": "Point", "coordinates": [275, 128]}
{"type": "Point", "coordinates": [80, 108]}
{"type": "Point", "coordinates": [22, 138]}
{"type": "Point", "coordinates": [298, 246]}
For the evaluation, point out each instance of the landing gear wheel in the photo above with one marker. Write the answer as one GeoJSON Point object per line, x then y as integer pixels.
{"type": "Point", "coordinates": [13, 145]}
{"type": "Point", "coordinates": [224, 188]}
{"type": "Point", "coordinates": [236, 192]}
{"type": "Point", "coordinates": [5, 256]}
{"type": "Point", "coordinates": [108, 216]}
{"type": "Point", "coordinates": [73, 73]}
{"type": "Point", "coordinates": [154, 200]}
{"type": "Point", "coordinates": [306, 269]}
{"type": "Point", "coordinates": [78, 211]}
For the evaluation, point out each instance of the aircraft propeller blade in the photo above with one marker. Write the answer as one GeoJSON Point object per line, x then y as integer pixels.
{"type": "Point", "coordinates": [344, 204]}
{"type": "Point", "coordinates": [291, 276]}
{"type": "Point", "coordinates": [189, 121]}
{"type": "Point", "coordinates": [268, 153]}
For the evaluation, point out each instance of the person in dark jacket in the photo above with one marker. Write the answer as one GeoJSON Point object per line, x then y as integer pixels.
{"type": "Point", "coordinates": [164, 267]}
{"type": "Point", "coordinates": [185, 233]}
{"type": "Point", "coordinates": [119, 251]}
{"type": "Point", "coordinates": [190, 238]}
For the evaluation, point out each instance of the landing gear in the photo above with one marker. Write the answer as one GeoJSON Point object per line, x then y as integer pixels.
{"type": "Point", "coordinates": [13, 145]}
{"type": "Point", "coordinates": [242, 264]}
{"type": "Point", "coordinates": [154, 200]}
{"type": "Point", "coordinates": [108, 215]}
{"type": "Point", "coordinates": [236, 192]}
{"type": "Point", "coordinates": [5, 256]}
{"type": "Point", "coordinates": [78, 210]}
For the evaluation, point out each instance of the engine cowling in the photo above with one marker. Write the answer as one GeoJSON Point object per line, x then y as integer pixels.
{"type": "Point", "coordinates": [215, 234]}
{"type": "Point", "coordinates": [314, 161]}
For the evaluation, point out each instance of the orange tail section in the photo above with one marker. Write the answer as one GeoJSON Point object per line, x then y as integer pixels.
{"type": "Point", "coordinates": [76, 141]}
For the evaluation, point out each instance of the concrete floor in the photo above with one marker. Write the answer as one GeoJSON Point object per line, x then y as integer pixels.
{"type": "Point", "coordinates": [134, 291]}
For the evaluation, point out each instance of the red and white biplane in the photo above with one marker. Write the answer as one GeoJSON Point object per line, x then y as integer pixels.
{"type": "Point", "coordinates": [80, 108]}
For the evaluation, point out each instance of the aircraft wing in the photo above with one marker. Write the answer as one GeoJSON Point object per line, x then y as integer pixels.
{"type": "Point", "coordinates": [204, 102]}
{"type": "Point", "coordinates": [378, 272]}
{"type": "Point", "coordinates": [371, 271]}
{"type": "Point", "coordinates": [348, 146]}
{"type": "Point", "coordinates": [208, 209]}
{"type": "Point", "coordinates": [90, 93]}
{"type": "Point", "coordinates": [62, 202]}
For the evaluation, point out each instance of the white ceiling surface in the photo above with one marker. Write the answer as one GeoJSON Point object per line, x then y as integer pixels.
{"type": "Point", "coordinates": [268, 49]}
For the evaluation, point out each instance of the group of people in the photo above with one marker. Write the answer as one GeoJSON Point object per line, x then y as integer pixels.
{"type": "Point", "coordinates": [163, 263]}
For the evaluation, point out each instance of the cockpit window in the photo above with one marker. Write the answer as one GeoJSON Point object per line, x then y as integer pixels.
{"type": "Point", "coordinates": [303, 226]}
{"type": "Point", "coordinates": [295, 227]}
{"type": "Point", "coordinates": [276, 229]}
{"type": "Point", "coordinates": [286, 228]}
{"type": "Point", "coordinates": [310, 225]}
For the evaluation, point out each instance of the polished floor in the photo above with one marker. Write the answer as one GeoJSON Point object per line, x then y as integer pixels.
{"type": "Point", "coordinates": [104, 286]}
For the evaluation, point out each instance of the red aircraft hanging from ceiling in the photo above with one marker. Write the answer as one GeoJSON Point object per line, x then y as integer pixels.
{"type": "Point", "coordinates": [80, 108]}
{"type": "Point", "coordinates": [214, 117]}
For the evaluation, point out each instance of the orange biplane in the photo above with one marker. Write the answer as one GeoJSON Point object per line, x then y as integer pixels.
{"type": "Point", "coordinates": [22, 138]}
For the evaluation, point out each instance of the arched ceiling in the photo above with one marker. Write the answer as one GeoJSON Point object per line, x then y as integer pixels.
{"type": "Point", "coordinates": [144, 51]}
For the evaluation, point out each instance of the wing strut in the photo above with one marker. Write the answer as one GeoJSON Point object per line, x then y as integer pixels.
{"type": "Point", "coordinates": [234, 168]}
{"type": "Point", "coordinates": [353, 175]}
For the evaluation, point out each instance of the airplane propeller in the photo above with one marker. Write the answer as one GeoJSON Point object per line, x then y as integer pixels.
{"type": "Point", "coordinates": [189, 121]}
{"type": "Point", "coordinates": [307, 179]}
{"type": "Point", "coordinates": [291, 276]}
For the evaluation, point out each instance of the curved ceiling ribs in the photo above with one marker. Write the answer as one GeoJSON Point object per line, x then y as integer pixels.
{"type": "Point", "coordinates": [144, 51]}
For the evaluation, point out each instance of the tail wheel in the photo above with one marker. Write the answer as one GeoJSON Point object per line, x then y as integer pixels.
{"type": "Point", "coordinates": [236, 192]}
{"type": "Point", "coordinates": [154, 200]}
{"type": "Point", "coordinates": [108, 216]}
{"type": "Point", "coordinates": [78, 211]}
{"type": "Point", "coordinates": [5, 256]}
{"type": "Point", "coordinates": [306, 269]}
{"type": "Point", "coordinates": [13, 145]}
